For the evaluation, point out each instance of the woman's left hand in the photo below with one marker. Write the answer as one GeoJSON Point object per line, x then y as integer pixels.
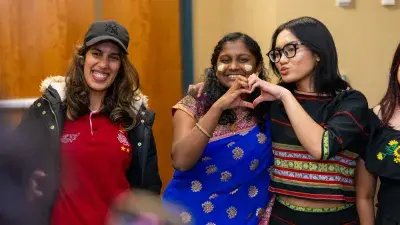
{"type": "Point", "coordinates": [269, 91]}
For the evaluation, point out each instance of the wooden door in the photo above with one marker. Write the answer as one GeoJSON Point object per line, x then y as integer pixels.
{"type": "Point", "coordinates": [154, 49]}
{"type": "Point", "coordinates": [37, 39]}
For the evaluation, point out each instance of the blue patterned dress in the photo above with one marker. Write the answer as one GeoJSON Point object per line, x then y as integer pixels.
{"type": "Point", "coordinates": [229, 185]}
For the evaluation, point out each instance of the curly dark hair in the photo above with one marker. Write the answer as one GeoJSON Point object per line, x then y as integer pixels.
{"type": "Point", "coordinates": [120, 95]}
{"type": "Point", "coordinates": [213, 89]}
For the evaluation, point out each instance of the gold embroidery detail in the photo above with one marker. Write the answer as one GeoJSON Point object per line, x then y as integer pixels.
{"type": "Point", "coordinates": [189, 100]}
{"type": "Point", "coordinates": [230, 144]}
{"type": "Point", "coordinates": [232, 212]}
{"type": "Point", "coordinates": [325, 153]}
{"type": "Point", "coordinates": [207, 207]}
{"type": "Point", "coordinates": [196, 186]}
{"type": "Point", "coordinates": [38, 104]}
{"type": "Point", "coordinates": [314, 166]}
{"type": "Point", "coordinates": [237, 153]}
{"type": "Point", "coordinates": [261, 138]}
{"type": "Point", "coordinates": [234, 191]}
{"type": "Point", "coordinates": [211, 169]}
{"type": "Point", "coordinates": [254, 164]}
{"type": "Point", "coordinates": [206, 158]}
{"type": "Point", "coordinates": [186, 217]}
{"type": "Point", "coordinates": [244, 133]}
{"type": "Point", "coordinates": [243, 125]}
{"type": "Point", "coordinates": [260, 213]}
{"type": "Point", "coordinates": [213, 196]}
{"type": "Point", "coordinates": [226, 176]}
{"type": "Point", "coordinates": [253, 191]}
{"type": "Point", "coordinates": [234, 127]}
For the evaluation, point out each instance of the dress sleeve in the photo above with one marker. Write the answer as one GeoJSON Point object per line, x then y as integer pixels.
{"type": "Point", "coordinates": [189, 105]}
{"type": "Point", "coordinates": [348, 126]}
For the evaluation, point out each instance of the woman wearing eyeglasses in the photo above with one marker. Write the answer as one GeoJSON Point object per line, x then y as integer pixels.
{"type": "Point", "coordinates": [319, 126]}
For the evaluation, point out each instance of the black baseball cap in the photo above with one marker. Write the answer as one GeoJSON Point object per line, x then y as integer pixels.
{"type": "Point", "coordinates": [107, 30]}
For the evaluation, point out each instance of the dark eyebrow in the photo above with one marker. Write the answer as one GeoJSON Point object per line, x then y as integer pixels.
{"type": "Point", "coordinates": [292, 42]}
{"type": "Point", "coordinates": [113, 53]}
{"type": "Point", "coordinates": [245, 54]}
{"type": "Point", "coordinates": [240, 55]}
{"type": "Point", "coordinates": [95, 49]}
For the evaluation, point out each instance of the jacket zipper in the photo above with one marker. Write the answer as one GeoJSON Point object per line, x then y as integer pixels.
{"type": "Point", "coordinates": [55, 117]}
{"type": "Point", "coordinates": [59, 164]}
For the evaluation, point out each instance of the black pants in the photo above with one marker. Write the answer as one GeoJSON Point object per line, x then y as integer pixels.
{"type": "Point", "coordinates": [283, 215]}
{"type": "Point", "coordinates": [385, 220]}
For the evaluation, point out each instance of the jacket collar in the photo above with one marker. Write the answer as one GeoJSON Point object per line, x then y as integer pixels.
{"type": "Point", "coordinates": [54, 89]}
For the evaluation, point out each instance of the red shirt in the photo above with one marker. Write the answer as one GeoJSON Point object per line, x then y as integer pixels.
{"type": "Point", "coordinates": [95, 155]}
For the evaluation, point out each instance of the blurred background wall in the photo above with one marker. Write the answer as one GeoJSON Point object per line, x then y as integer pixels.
{"type": "Point", "coordinates": [366, 34]}
{"type": "Point", "coordinates": [172, 42]}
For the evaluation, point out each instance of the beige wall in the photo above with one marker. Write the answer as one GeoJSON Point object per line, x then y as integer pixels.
{"type": "Point", "coordinates": [366, 34]}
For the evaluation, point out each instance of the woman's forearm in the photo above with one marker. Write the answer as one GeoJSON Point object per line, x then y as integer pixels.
{"type": "Point", "coordinates": [187, 151]}
{"type": "Point", "coordinates": [307, 130]}
{"type": "Point", "coordinates": [366, 211]}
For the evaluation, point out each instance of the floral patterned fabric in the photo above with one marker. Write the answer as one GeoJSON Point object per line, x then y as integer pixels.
{"type": "Point", "coordinates": [382, 158]}
{"type": "Point", "coordinates": [229, 185]}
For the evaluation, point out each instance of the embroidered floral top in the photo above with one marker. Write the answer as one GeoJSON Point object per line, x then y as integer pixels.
{"type": "Point", "coordinates": [345, 118]}
{"type": "Point", "coordinates": [196, 109]}
{"type": "Point", "coordinates": [382, 158]}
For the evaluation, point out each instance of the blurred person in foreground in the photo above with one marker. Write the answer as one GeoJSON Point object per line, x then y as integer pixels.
{"type": "Point", "coordinates": [139, 207]}
{"type": "Point", "coordinates": [15, 208]}
{"type": "Point", "coordinates": [91, 133]}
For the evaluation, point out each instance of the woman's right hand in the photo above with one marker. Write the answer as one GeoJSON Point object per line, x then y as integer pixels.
{"type": "Point", "coordinates": [195, 90]}
{"type": "Point", "coordinates": [232, 98]}
{"type": "Point", "coordinates": [33, 191]}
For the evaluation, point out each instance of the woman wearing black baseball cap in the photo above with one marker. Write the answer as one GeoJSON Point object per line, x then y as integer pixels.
{"type": "Point", "coordinates": [91, 131]}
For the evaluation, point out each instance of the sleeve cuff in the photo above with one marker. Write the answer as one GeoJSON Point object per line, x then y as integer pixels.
{"type": "Point", "coordinates": [325, 145]}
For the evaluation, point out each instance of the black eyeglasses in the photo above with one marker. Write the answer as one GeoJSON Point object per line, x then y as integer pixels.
{"type": "Point", "coordinates": [289, 50]}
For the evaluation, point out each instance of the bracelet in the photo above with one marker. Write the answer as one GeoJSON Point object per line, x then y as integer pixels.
{"type": "Point", "coordinates": [202, 130]}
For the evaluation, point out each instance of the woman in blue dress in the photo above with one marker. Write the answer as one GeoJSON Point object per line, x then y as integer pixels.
{"type": "Point", "coordinates": [221, 143]}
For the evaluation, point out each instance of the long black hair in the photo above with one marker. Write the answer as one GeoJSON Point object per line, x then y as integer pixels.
{"type": "Point", "coordinates": [315, 35]}
{"type": "Point", "coordinates": [213, 89]}
{"type": "Point", "coordinates": [392, 96]}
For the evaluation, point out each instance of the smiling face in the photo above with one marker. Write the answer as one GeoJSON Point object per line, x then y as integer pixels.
{"type": "Point", "coordinates": [299, 67]}
{"type": "Point", "coordinates": [102, 63]}
{"type": "Point", "coordinates": [235, 59]}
